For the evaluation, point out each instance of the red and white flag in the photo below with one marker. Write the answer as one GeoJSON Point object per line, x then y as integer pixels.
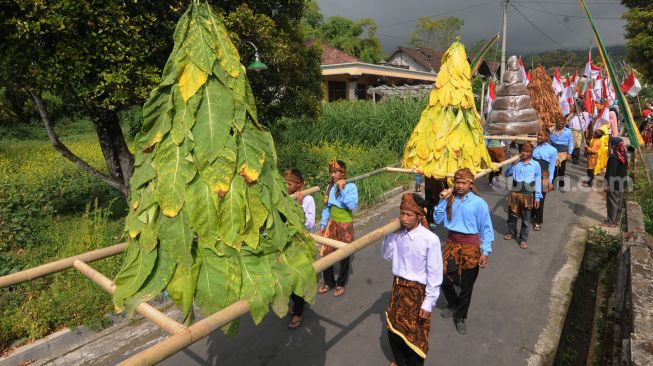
{"type": "Point", "coordinates": [529, 76]}
{"type": "Point", "coordinates": [604, 116]}
{"type": "Point", "coordinates": [569, 92]}
{"type": "Point", "coordinates": [557, 85]}
{"type": "Point", "coordinates": [591, 70]}
{"type": "Point", "coordinates": [608, 90]}
{"type": "Point", "coordinates": [598, 88]}
{"type": "Point", "coordinates": [631, 85]}
{"type": "Point", "coordinates": [489, 97]}
{"type": "Point", "coordinates": [589, 102]}
{"type": "Point", "coordinates": [523, 71]}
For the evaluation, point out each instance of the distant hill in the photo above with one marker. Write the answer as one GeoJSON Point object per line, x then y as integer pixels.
{"type": "Point", "coordinates": [572, 58]}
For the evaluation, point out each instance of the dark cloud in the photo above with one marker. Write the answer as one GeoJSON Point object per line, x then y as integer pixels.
{"type": "Point", "coordinates": [561, 20]}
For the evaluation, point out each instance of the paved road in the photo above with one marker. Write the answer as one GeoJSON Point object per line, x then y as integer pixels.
{"type": "Point", "coordinates": [509, 308]}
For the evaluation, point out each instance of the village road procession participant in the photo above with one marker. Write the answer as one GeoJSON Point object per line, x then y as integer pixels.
{"type": "Point", "coordinates": [563, 141]}
{"type": "Point", "coordinates": [525, 194]}
{"type": "Point", "coordinates": [546, 155]}
{"type": "Point", "coordinates": [616, 175]}
{"type": "Point", "coordinates": [337, 223]}
{"type": "Point", "coordinates": [578, 121]}
{"type": "Point", "coordinates": [295, 183]}
{"type": "Point", "coordinates": [469, 243]}
{"type": "Point", "coordinates": [417, 268]}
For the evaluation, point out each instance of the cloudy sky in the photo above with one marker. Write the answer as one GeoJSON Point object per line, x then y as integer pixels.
{"type": "Point", "coordinates": [560, 22]}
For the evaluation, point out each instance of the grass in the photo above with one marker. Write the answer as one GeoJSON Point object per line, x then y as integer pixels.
{"type": "Point", "coordinates": [643, 194]}
{"type": "Point", "coordinates": [365, 123]}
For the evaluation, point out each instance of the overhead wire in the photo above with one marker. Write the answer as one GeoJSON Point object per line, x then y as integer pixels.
{"type": "Point", "coordinates": [562, 15]}
{"type": "Point", "coordinates": [438, 14]}
{"type": "Point", "coordinates": [538, 28]}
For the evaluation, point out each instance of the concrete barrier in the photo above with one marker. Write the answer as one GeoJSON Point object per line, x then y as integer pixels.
{"type": "Point", "coordinates": [633, 332]}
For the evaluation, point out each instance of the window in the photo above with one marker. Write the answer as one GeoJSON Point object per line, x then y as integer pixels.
{"type": "Point", "coordinates": [361, 91]}
{"type": "Point", "coordinates": [337, 90]}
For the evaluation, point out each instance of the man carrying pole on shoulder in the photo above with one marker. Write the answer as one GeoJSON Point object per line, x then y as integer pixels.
{"type": "Point", "coordinates": [337, 223]}
{"type": "Point", "coordinates": [469, 243]}
{"type": "Point", "coordinates": [546, 155]}
{"type": "Point", "coordinates": [563, 141]}
{"type": "Point", "coordinates": [526, 180]}
{"type": "Point", "coordinates": [417, 266]}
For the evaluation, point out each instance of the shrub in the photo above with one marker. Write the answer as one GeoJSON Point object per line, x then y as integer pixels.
{"type": "Point", "coordinates": [367, 123]}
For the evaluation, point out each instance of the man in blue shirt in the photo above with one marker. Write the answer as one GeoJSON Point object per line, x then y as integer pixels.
{"type": "Point", "coordinates": [562, 139]}
{"type": "Point", "coordinates": [469, 243]}
{"type": "Point", "coordinates": [338, 223]}
{"type": "Point", "coordinates": [546, 155]}
{"type": "Point", "coordinates": [526, 180]}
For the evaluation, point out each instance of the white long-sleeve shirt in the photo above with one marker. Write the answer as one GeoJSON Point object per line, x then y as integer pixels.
{"type": "Point", "coordinates": [308, 204]}
{"type": "Point", "coordinates": [416, 256]}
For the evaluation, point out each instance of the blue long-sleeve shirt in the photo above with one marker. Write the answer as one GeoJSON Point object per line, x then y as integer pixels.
{"type": "Point", "coordinates": [548, 153]}
{"type": "Point", "coordinates": [471, 215]}
{"type": "Point", "coordinates": [527, 172]}
{"type": "Point", "coordinates": [565, 138]}
{"type": "Point", "coordinates": [347, 199]}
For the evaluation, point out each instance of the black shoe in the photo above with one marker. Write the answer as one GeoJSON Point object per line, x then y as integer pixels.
{"type": "Point", "coordinates": [447, 312]}
{"type": "Point", "coordinates": [461, 327]}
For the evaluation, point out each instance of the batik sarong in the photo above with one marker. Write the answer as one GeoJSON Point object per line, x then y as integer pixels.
{"type": "Point", "coordinates": [403, 315]}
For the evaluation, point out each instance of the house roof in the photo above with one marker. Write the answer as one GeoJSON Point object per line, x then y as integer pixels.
{"type": "Point", "coordinates": [332, 55]}
{"type": "Point", "coordinates": [426, 57]}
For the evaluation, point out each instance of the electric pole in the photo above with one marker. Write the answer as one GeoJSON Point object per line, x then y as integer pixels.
{"type": "Point", "coordinates": [503, 37]}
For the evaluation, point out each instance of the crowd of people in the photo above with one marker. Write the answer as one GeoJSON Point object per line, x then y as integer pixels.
{"type": "Point", "coordinates": [421, 267]}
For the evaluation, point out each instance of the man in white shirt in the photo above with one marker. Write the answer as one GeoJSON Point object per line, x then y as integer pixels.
{"type": "Point", "coordinates": [295, 183]}
{"type": "Point", "coordinates": [578, 123]}
{"type": "Point", "coordinates": [417, 268]}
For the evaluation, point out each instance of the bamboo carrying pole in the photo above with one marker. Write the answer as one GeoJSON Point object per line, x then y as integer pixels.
{"type": "Point", "coordinates": [60, 265]}
{"type": "Point", "coordinates": [145, 309]}
{"type": "Point", "coordinates": [478, 175]}
{"type": "Point", "coordinates": [66, 263]}
{"type": "Point", "coordinates": [308, 191]}
{"type": "Point", "coordinates": [204, 327]}
{"type": "Point", "coordinates": [511, 138]}
{"type": "Point", "coordinates": [330, 242]}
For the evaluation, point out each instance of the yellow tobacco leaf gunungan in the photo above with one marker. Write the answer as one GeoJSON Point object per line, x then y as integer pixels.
{"type": "Point", "coordinates": [448, 135]}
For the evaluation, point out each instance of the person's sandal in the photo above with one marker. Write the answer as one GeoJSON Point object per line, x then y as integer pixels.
{"type": "Point", "coordinates": [324, 289]}
{"type": "Point", "coordinates": [523, 245]}
{"type": "Point", "coordinates": [507, 237]}
{"type": "Point", "coordinates": [537, 227]}
{"type": "Point", "coordinates": [295, 323]}
{"type": "Point", "coordinates": [340, 290]}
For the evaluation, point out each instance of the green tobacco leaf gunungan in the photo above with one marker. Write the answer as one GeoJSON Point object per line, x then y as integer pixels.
{"type": "Point", "coordinates": [210, 218]}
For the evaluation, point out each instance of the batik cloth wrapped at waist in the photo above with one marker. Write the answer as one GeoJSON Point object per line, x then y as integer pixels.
{"type": "Point", "coordinates": [403, 315]}
{"type": "Point", "coordinates": [341, 231]}
{"type": "Point", "coordinates": [461, 252]}
{"type": "Point", "coordinates": [563, 153]}
{"type": "Point", "coordinates": [522, 187]}
{"type": "Point", "coordinates": [519, 203]}
{"type": "Point", "coordinates": [462, 238]}
{"type": "Point", "coordinates": [340, 214]}
{"type": "Point", "coordinates": [544, 167]}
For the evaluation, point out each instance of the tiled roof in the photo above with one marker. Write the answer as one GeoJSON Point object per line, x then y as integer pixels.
{"type": "Point", "coordinates": [426, 57]}
{"type": "Point", "coordinates": [332, 55]}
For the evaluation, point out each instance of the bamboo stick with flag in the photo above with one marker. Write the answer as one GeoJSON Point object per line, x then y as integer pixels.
{"type": "Point", "coordinates": [631, 128]}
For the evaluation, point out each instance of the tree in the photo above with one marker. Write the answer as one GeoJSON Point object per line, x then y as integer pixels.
{"type": "Point", "coordinates": [639, 36]}
{"type": "Point", "coordinates": [355, 37]}
{"type": "Point", "coordinates": [110, 54]}
{"type": "Point", "coordinates": [437, 34]}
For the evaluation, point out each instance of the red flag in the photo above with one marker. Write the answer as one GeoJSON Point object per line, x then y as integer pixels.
{"type": "Point", "coordinates": [591, 70]}
{"type": "Point", "coordinates": [523, 71]}
{"type": "Point", "coordinates": [557, 82]}
{"type": "Point", "coordinates": [631, 85]}
{"type": "Point", "coordinates": [489, 97]}
{"type": "Point", "coordinates": [589, 101]}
